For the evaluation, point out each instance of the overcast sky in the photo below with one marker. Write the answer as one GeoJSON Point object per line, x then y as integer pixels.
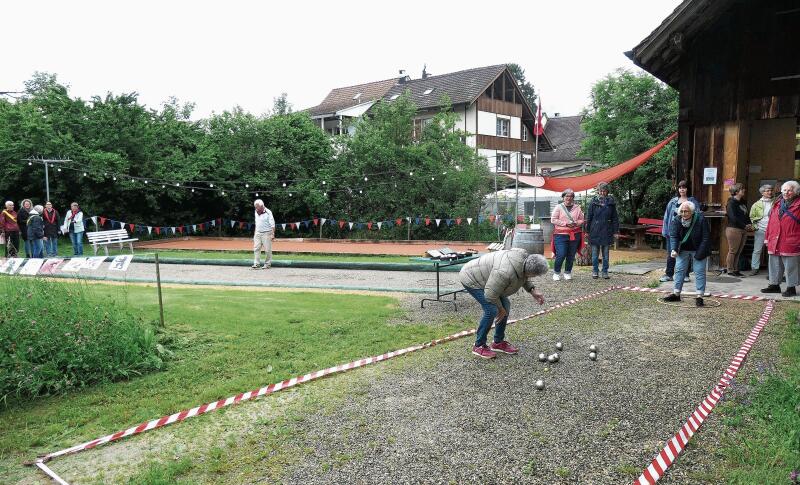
{"type": "Point", "coordinates": [222, 54]}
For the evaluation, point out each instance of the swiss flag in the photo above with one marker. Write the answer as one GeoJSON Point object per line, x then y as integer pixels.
{"type": "Point", "coordinates": [538, 128]}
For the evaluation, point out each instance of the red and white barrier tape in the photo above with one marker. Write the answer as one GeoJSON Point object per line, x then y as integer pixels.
{"type": "Point", "coordinates": [715, 295]}
{"type": "Point", "coordinates": [666, 457]}
{"type": "Point", "coordinates": [272, 388]}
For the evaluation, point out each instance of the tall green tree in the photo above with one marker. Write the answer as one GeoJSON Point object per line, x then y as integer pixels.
{"type": "Point", "coordinates": [628, 114]}
{"type": "Point", "coordinates": [524, 85]}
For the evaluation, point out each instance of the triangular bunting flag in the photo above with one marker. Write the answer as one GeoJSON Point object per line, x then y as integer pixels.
{"type": "Point", "coordinates": [437, 222]}
{"type": "Point", "coordinates": [449, 222]}
{"type": "Point", "coordinates": [194, 227]}
{"type": "Point", "coordinates": [158, 230]}
{"type": "Point", "coordinates": [94, 219]}
{"type": "Point", "coordinates": [283, 227]}
{"type": "Point", "coordinates": [307, 223]}
{"type": "Point", "coordinates": [469, 221]}
{"type": "Point", "coordinates": [241, 224]}
{"type": "Point", "coordinates": [323, 221]}
{"type": "Point", "coordinates": [398, 221]}
{"type": "Point", "coordinates": [351, 225]}
{"type": "Point", "coordinates": [379, 225]}
{"type": "Point", "coordinates": [417, 221]}
{"type": "Point", "coordinates": [316, 221]}
{"type": "Point", "coordinates": [173, 230]}
{"type": "Point", "coordinates": [341, 224]}
{"type": "Point", "coordinates": [213, 223]}
{"type": "Point", "coordinates": [131, 226]}
{"type": "Point", "coordinates": [102, 221]}
{"type": "Point", "coordinates": [149, 230]}
{"type": "Point", "coordinates": [233, 223]}
{"type": "Point", "coordinates": [458, 221]}
{"type": "Point", "coordinates": [369, 225]}
{"type": "Point", "coordinates": [427, 221]}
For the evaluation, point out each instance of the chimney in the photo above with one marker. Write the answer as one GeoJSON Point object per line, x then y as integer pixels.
{"type": "Point", "coordinates": [556, 115]}
{"type": "Point", "coordinates": [425, 71]}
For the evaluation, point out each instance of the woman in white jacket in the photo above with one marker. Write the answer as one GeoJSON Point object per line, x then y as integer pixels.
{"type": "Point", "coordinates": [73, 224]}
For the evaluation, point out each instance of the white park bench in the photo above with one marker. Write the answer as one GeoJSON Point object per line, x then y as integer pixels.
{"type": "Point", "coordinates": [106, 238]}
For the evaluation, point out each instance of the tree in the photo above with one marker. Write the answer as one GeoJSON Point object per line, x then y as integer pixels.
{"type": "Point", "coordinates": [281, 105]}
{"type": "Point", "coordinates": [628, 114]}
{"type": "Point", "coordinates": [526, 87]}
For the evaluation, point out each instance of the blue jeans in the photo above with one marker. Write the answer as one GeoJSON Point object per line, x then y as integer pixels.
{"type": "Point", "coordinates": [670, 271]}
{"type": "Point", "coordinates": [682, 269]}
{"type": "Point", "coordinates": [596, 253]}
{"type": "Point", "coordinates": [51, 246]}
{"type": "Point", "coordinates": [489, 313]}
{"type": "Point", "coordinates": [37, 248]}
{"type": "Point", "coordinates": [28, 247]}
{"type": "Point", "coordinates": [77, 243]}
{"type": "Point", "coordinates": [565, 250]}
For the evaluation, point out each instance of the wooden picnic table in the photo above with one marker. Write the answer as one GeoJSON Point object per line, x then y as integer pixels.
{"type": "Point", "coordinates": [638, 232]}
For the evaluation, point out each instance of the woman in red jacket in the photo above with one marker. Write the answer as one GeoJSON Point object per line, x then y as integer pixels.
{"type": "Point", "coordinates": [783, 240]}
{"type": "Point", "coordinates": [10, 229]}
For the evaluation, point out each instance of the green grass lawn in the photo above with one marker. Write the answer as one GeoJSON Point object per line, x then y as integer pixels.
{"type": "Point", "coordinates": [225, 342]}
{"type": "Point", "coordinates": [762, 442]}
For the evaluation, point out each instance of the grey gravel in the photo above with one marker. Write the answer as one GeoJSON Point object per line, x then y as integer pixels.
{"type": "Point", "coordinates": [447, 417]}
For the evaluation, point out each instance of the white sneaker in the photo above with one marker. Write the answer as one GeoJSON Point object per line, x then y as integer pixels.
{"type": "Point", "coordinates": [567, 276]}
{"type": "Point", "coordinates": [556, 276]}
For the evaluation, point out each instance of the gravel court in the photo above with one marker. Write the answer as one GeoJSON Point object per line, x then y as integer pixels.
{"type": "Point", "coordinates": [455, 419]}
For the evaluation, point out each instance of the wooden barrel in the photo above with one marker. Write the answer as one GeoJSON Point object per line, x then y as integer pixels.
{"type": "Point", "coordinates": [530, 240]}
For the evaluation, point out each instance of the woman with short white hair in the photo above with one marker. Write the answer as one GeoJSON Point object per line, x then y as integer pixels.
{"type": "Point", "coordinates": [783, 240]}
{"type": "Point", "coordinates": [759, 216]}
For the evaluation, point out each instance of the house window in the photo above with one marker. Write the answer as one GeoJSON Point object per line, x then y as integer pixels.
{"type": "Point", "coordinates": [426, 122]}
{"type": "Point", "coordinates": [503, 126]}
{"type": "Point", "coordinates": [427, 91]}
{"type": "Point", "coordinates": [502, 162]}
{"type": "Point", "coordinates": [524, 133]}
{"type": "Point", "coordinates": [526, 164]}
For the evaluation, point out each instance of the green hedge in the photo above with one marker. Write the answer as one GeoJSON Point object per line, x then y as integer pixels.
{"type": "Point", "coordinates": [55, 337]}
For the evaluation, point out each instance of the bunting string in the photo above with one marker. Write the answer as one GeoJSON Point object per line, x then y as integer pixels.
{"type": "Point", "coordinates": [313, 223]}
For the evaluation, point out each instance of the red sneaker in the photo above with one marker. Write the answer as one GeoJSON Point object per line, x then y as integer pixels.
{"type": "Point", "coordinates": [504, 347]}
{"type": "Point", "coordinates": [483, 352]}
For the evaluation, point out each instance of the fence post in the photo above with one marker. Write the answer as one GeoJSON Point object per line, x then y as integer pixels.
{"type": "Point", "coordinates": [158, 284]}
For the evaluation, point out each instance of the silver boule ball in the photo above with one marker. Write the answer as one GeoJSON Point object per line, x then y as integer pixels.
{"type": "Point", "coordinates": [559, 346]}
{"type": "Point", "coordinates": [540, 384]}
{"type": "Point", "coordinates": [542, 357]}
{"type": "Point", "coordinates": [551, 358]}
{"type": "Point", "coordinates": [556, 356]}
{"type": "Point", "coordinates": [593, 348]}
{"type": "Point", "coordinates": [592, 356]}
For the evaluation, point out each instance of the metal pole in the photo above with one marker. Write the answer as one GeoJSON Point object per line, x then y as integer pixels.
{"type": "Point", "coordinates": [408, 223]}
{"type": "Point", "coordinates": [535, 162]}
{"type": "Point", "coordinates": [496, 203]}
{"type": "Point", "coordinates": [516, 188]}
{"type": "Point", "coordinates": [158, 284]}
{"type": "Point", "coordinates": [46, 182]}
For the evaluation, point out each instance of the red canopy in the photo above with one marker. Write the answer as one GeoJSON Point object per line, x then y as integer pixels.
{"type": "Point", "coordinates": [586, 182]}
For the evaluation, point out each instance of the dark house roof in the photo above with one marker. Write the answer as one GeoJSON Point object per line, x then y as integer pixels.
{"type": "Point", "coordinates": [565, 135]}
{"type": "Point", "coordinates": [462, 86]}
{"type": "Point", "coordinates": [661, 51]}
{"type": "Point", "coordinates": [341, 98]}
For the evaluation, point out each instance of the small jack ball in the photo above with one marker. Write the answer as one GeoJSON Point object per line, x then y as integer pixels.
{"type": "Point", "coordinates": [593, 348]}
{"type": "Point", "coordinates": [540, 384]}
{"type": "Point", "coordinates": [559, 346]}
{"type": "Point", "coordinates": [542, 357]}
{"type": "Point", "coordinates": [592, 356]}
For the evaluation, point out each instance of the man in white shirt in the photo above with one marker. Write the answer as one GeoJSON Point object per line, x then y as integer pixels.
{"type": "Point", "coordinates": [265, 233]}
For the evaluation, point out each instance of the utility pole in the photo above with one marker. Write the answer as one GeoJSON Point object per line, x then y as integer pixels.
{"type": "Point", "coordinates": [46, 162]}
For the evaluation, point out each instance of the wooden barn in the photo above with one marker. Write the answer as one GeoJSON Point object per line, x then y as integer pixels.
{"type": "Point", "coordinates": [736, 64]}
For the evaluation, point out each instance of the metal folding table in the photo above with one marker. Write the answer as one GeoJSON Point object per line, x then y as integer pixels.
{"type": "Point", "coordinates": [438, 265]}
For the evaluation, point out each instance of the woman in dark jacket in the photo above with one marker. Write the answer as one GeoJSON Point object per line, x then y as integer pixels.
{"type": "Point", "coordinates": [35, 227]}
{"type": "Point", "coordinates": [603, 223]}
{"type": "Point", "coordinates": [690, 238]}
{"type": "Point", "coordinates": [738, 225]}
{"type": "Point", "coordinates": [51, 228]}
{"type": "Point", "coordinates": [22, 219]}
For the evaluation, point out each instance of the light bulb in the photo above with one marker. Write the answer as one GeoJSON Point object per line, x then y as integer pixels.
{"type": "Point", "coordinates": [212, 185]}
{"type": "Point", "coordinates": [84, 174]}
{"type": "Point", "coordinates": [247, 186]}
{"type": "Point", "coordinates": [411, 173]}
{"type": "Point", "coordinates": [365, 179]}
{"type": "Point", "coordinates": [284, 184]}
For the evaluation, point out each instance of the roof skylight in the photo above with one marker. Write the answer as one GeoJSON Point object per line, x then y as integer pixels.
{"type": "Point", "coordinates": [427, 91]}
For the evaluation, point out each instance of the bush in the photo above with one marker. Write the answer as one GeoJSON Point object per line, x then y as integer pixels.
{"type": "Point", "coordinates": [55, 337]}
